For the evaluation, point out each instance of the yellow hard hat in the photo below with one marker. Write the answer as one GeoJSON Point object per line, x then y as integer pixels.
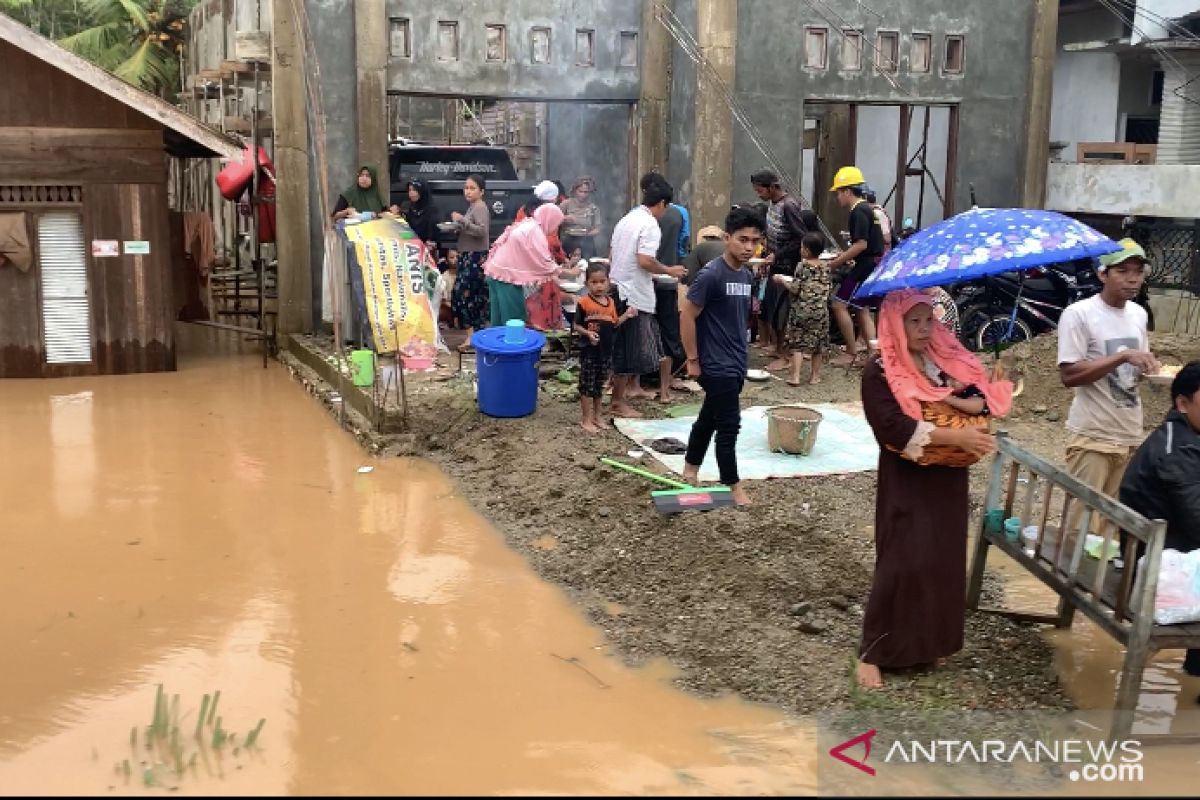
{"type": "Point", "coordinates": [847, 176]}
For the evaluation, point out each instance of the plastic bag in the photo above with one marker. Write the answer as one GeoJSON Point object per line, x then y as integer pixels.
{"type": "Point", "coordinates": [1178, 598]}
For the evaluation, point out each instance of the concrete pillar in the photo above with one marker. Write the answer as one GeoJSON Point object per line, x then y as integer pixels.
{"type": "Point", "coordinates": [371, 61]}
{"type": "Point", "coordinates": [654, 99]}
{"type": "Point", "coordinates": [289, 109]}
{"type": "Point", "coordinates": [712, 158]}
{"type": "Point", "coordinates": [837, 148]}
{"type": "Point", "coordinates": [1179, 126]}
{"type": "Point", "coordinates": [1043, 50]}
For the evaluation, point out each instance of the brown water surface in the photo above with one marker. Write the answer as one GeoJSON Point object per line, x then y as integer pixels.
{"type": "Point", "coordinates": [209, 529]}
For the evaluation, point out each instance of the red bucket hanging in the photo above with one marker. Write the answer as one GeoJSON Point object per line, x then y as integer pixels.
{"type": "Point", "coordinates": [236, 176]}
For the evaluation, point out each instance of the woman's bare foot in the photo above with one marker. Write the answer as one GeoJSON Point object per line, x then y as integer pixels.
{"type": "Point", "coordinates": [869, 676]}
{"type": "Point", "coordinates": [814, 380]}
{"type": "Point", "coordinates": [624, 410]}
{"type": "Point", "coordinates": [638, 393]}
{"type": "Point", "coordinates": [778, 364]}
{"type": "Point", "coordinates": [665, 397]}
{"type": "Point", "coordinates": [589, 426]}
{"type": "Point", "coordinates": [691, 475]}
{"type": "Point", "coordinates": [739, 495]}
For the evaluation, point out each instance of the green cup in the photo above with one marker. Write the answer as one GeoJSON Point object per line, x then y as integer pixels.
{"type": "Point", "coordinates": [993, 520]}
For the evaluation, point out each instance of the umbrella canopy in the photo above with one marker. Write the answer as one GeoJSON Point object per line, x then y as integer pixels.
{"type": "Point", "coordinates": [984, 241]}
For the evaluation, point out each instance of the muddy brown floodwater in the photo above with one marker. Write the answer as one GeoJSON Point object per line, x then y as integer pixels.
{"type": "Point", "coordinates": [209, 530]}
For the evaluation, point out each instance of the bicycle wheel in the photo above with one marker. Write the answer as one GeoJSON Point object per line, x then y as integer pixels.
{"type": "Point", "coordinates": [994, 334]}
{"type": "Point", "coordinates": [971, 319]}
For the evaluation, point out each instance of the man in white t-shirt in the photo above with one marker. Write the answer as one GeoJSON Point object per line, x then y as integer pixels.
{"type": "Point", "coordinates": [1103, 350]}
{"type": "Point", "coordinates": [637, 344]}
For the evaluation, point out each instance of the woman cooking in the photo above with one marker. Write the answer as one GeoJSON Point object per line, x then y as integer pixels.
{"type": "Point", "coordinates": [362, 196]}
{"type": "Point", "coordinates": [520, 266]}
{"type": "Point", "coordinates": [582, 218]}
{"type": "Point", "coordinates": [926, 399]}
{"type": "Point", "coordinates": [469, 299]}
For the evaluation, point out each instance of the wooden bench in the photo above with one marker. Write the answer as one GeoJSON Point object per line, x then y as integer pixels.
{"type": "Point", "coordinates": [1119, 601]}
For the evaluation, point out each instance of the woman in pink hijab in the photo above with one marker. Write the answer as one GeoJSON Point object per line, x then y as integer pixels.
{"type": "Point", "coordinates": [923, 382]}
{"type": "Point", "coordinates": [521, 266]}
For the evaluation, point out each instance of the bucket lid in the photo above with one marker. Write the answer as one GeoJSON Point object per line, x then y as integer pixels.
{"type": "Point", "coordinates": [491, 340]}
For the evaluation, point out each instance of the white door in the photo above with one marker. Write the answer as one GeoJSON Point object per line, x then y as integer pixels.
{"type": "Point", "coordinates": [66, 312]}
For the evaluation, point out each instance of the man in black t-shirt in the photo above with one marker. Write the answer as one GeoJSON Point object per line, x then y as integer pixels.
{"type": "Point", "coordinates": [866, 248]}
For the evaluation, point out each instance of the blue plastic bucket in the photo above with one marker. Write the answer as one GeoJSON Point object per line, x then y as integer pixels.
{"type": "Point", "coordinates": [508, 372]}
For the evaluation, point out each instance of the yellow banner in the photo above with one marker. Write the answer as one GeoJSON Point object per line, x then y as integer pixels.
{"type": "Point", "coordinates": [392, 263]}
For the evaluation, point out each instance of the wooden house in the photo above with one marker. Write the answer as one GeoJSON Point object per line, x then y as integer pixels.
{"type": "Point", "coordinates": [85, 247]}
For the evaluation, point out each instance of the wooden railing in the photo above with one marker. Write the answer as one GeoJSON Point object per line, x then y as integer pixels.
{"type": "Point", "coordinates": [1119, 599]}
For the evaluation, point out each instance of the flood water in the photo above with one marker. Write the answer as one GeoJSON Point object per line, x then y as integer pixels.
{"type": "Point", "coordinates": [209, 530]}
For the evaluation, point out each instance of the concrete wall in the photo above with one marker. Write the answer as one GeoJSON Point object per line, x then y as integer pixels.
{"type": "Point", "coordinates": [1150, 27]}
{"type": "Point", "coordinates": [773, 83]}
{"type": "Point", "coordinates": [1137, 82]}
{"type": "Point", "coordinates": [1149, 191]}
{"type": "Point", "coordinates": [517, 77]}
{"type": "Point", "coordinates": [1086, 85]}
{"type": "Point", "coordinates": [878, 147]}
{"type": "Point", "coordinates": [570, 153]}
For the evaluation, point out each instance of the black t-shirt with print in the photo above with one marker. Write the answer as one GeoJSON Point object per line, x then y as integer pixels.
{"type": "Point", "coordinates": [864, 227]}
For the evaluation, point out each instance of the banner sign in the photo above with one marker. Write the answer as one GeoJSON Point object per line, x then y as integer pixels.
{"type": "Point", "coordinates": [392, 262]}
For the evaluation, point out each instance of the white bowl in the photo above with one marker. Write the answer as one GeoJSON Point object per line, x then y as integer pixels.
{"type": "Point", "coordinates": [758, 375]}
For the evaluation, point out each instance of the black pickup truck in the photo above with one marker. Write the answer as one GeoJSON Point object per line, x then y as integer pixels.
{"type": "Point", "coordinates": [444, 168]}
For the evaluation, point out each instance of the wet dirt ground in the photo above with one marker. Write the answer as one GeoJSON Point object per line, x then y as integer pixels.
{"type": "Point", "coordinates": [210, 530]}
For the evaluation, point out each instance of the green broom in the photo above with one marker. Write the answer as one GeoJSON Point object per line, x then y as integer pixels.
{"type": "Point", "coordinates": [681, 497]}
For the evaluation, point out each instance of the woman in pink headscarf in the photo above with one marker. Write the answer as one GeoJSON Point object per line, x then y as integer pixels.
{"type": "Point", "coordinates": [521, 267]}
{"type": "Point", "coordinates": [923, 382]}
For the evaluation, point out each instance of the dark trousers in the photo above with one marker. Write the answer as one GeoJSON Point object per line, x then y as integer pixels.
{"type": "Point", "coordinates": [666, 309]}
{"type": "Point", "coordinates": [1191, 664]}
{"type": "Point", "coordinates": [721, 413]}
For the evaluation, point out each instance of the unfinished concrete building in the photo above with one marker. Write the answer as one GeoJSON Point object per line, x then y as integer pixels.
{"type": "Point", "coordinates": [930, 100]}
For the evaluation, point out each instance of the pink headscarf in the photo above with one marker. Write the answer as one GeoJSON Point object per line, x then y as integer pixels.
{"type": "Point", "coordinates": [521, 256]}
{"type": "Point", "coordinates": [908, 382]}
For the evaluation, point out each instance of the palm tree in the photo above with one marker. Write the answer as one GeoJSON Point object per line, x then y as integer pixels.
{"type": "Point", "coordinates": [139, 41]}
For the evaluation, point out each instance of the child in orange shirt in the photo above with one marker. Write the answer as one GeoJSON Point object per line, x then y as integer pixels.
{"type": "Point", "coordinates": [595, 320]}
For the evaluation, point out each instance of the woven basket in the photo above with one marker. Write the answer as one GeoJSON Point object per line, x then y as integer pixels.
{"type": "Point", "coordinates": [792, 429]}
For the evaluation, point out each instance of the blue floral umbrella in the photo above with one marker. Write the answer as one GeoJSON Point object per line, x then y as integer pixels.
{"type": "Point", "coordinates": [984, 241]}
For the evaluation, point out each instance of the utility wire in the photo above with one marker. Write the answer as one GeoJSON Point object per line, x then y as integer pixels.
{"type": "Point", "coordinates": [1112, 8]}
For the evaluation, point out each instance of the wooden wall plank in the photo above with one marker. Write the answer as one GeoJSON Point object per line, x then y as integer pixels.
{"type": "Point", "coordinates": [21, 352]}
{"type": "Point", "coordinates": [46, 96]}
{"type": "Point", "coordinates": [19, 140]}
{"type": "Point", "coordinates": [132, 306]}
{"type": "Point", "coordinates": [99, 166]}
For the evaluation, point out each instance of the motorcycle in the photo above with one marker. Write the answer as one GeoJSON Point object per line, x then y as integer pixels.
{"type": "Point", "coordinates": [1000, 310]}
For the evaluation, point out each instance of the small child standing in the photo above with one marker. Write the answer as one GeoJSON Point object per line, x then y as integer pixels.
{"type": "Point", "coordinates": [595, 320]}
{"type": "Point", "coordinates": [808, 319]}
{"type": "Point", "coordinates": [448, 266]}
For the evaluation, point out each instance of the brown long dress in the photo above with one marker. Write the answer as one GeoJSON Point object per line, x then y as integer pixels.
{"type": "Point", "coordinates": [916, 610]}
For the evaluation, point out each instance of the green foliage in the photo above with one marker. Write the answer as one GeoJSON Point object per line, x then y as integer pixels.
{"type": "Point", "coordinates": [139, 41]}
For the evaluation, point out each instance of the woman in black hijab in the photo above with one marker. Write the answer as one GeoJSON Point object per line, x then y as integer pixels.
{"type": "Point", "coordinates": [419, 212]}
